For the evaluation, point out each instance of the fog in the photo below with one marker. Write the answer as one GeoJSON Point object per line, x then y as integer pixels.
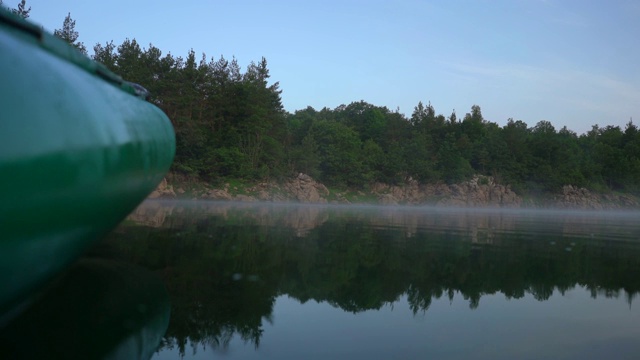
{"type": "Point", "coordinates": [610, 225]}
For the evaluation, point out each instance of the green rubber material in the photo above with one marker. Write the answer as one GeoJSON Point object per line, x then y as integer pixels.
{"type": "Point", "coordinates": [78, 152]}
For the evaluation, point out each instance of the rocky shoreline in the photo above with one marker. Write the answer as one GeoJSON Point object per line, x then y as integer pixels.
{"type": "Point", "coordinates": [480, 191]}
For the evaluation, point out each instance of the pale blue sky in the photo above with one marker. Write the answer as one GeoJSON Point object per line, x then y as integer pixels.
{"type": "Point", "coordinates": [573, 62]}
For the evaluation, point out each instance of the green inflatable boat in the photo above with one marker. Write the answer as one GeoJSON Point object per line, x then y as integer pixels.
{"type": "Point", "coordinates": [79, 149]}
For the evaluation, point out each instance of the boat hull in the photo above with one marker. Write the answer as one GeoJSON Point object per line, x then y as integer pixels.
{"type": "Point", "coordinates": [78, 152]}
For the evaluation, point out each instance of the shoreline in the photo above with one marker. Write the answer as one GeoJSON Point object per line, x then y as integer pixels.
{"type": "Point", "coordinates": [479, 192]}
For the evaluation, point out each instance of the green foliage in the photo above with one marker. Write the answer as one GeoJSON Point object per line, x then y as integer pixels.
{"type": "Point", "coordinates": [339, 149]}
{"type": "Point", "coordinates": [68, 33]}
{"type": "Point", "coordinates": [452, 166]}
{"type": "Point", "coordinates": [306, 157]}
{"type": "Point", "coordinates": [227, 123]}
{"type": "Point", "coordinates": [231, 124]}
{"type": "Point", "coordinates": [21, 10]}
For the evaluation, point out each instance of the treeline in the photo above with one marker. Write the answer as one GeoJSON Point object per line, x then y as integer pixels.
{"type": "Point", "coordinates": [228, 123]}
{"type": "Point", "coordinates": [231, 123]}
{"type": "Point", "coordinates": [360, 143]}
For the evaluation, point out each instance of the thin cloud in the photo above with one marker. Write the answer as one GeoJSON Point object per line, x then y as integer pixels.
{"type": "Point", "coordinates": [563, 16]}
{"type": "Point", "coordinates": [559, 93]}
{"type": "Point", "coordinates": [533, 76]}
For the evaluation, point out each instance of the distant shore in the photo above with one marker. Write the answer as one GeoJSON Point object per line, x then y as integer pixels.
{"type": "Point", "coordinates": [480, 191]}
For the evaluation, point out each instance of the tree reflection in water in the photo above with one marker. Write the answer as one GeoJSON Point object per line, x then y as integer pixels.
{"type": "Point", "coordinates": [224, 264]}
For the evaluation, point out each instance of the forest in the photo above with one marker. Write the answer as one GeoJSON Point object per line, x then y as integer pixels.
{"type": "Point", "coordinates": [230, 123]}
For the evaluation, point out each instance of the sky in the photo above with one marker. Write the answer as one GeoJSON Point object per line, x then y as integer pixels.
{"type": "Point", "coordinates": [573, 63]}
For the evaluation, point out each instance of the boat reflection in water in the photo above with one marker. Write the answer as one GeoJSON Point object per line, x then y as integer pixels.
{"type": "Point", "coordinates": [98, 309]}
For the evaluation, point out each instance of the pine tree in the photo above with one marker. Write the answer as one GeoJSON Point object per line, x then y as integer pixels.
{"type": "Point", "coordinates": [21, 11]}
{"type": "Point", "coordinates": [69, 34]}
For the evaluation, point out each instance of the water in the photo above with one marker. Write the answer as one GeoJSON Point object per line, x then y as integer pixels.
{"type": "Point", "coordinates": [268, 281]}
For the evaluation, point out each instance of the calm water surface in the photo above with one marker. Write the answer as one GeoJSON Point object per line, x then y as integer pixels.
{"type": "Point", "coordinates": [265, 281]}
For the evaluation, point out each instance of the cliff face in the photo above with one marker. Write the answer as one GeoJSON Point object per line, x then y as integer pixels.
{"type": "Point", "coordinates": [164, 190]}
{"type": "Point", "coordinates": [581, 198]}
{"type": "Point", "coordinates": [480, 191]}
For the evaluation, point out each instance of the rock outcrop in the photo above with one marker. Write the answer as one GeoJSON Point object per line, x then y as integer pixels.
{"type": "Point", "coordinates": [151, 214]}
{"type": "Point", "coordinates": [164, 190]}
{"type": "Point", "coordinates": [306, 190]}
{"type": "Point", "coordinates": [218, 194]}
{"type": "Point", "coordinates": [301, 188]}
{"type": "Point", "coordinates": [480, 191]}
{"type": "Point", "coordinates": [581, 198]}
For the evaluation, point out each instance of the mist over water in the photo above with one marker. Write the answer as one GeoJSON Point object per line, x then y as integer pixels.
{"type": "Point", "coordinates": [302, 217]}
